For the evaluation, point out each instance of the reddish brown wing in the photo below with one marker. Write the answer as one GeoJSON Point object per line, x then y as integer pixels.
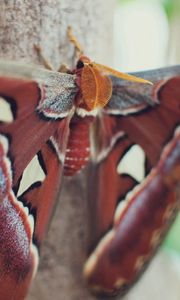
{"type": "Point", "coordinates": [142, 219]}
{"type": "Point", "coordinates": [24, 219]}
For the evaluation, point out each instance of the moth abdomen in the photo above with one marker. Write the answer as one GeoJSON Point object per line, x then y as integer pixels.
{"type": "Point", "coordinates": [78, 147]}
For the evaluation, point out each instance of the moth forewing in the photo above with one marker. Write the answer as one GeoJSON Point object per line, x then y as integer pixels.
{"type": "Point", "coordinates": [57, 89]}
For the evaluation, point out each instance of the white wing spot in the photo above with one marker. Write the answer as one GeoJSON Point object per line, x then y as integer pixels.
{"type": "Point", "coordinates": [133, 163]}
{"type": "Point", "coordinates": [31, 174]}
{"type": "Point", "coordinates": [6, 114]}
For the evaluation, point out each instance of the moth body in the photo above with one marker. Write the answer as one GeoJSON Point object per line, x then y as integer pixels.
{"type": "Point", "coordinates": [93, 94]}
{"type": "Point", "coordinates": [78, 146]}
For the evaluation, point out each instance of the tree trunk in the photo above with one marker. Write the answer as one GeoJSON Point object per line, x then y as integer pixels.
{"type": "Point", "coordinates": [44, 22]}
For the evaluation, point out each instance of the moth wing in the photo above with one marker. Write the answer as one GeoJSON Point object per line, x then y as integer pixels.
{"type": "Point", "coordinates": [56, 90]}
{"type": "Point", "coordinates": [130, 231]}
{"type": "Point", "coordinates": [130, 97]}
{"type": "Point", "coordinates": [24, 217]}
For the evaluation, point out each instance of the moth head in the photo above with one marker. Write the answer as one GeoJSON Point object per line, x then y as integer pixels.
{"type": "Point", "coordinates": [83, 60]}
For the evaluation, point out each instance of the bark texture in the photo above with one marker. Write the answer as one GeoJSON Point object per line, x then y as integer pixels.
{"type": "Point", "coordinates": [24, 23]}
{"type": "Point", "coordinates": [44, 22]}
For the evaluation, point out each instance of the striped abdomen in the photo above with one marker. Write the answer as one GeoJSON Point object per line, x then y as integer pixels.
{"type": "Point", "coordinates": [78, 147]}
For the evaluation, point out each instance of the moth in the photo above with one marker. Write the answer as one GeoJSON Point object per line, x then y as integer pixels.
{"type": "Point", "coordinates": [89, 116]}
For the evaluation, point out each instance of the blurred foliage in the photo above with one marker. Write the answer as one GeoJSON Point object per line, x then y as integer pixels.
{"type": "Point", "coordinates": [172, 240]}
{"type": "Point", "coordinates": [171, 7]}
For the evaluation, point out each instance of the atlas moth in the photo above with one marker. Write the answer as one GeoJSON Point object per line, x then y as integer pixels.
{"type": "Point", "coordinates": [89, 116]}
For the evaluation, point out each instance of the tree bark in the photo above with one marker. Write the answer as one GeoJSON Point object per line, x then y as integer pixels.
{"type": "Point", "coordinates": [44, 22]}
